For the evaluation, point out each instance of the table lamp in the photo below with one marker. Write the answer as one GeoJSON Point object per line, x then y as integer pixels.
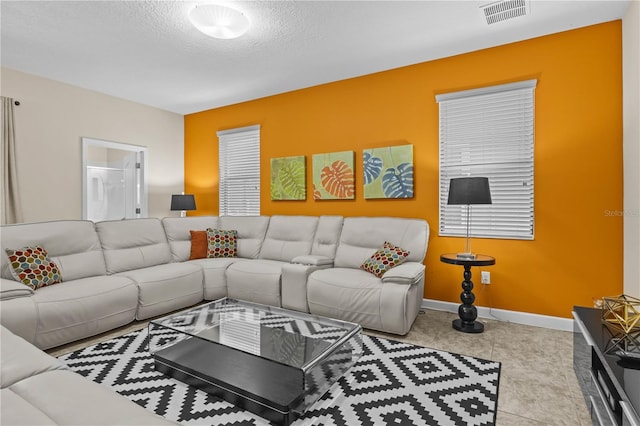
{"type": "Point", "coordinates": [468, 191]}
{"type": "Point", "coordinates": [183, 202]}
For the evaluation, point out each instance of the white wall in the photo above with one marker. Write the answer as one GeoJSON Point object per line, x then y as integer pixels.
{"type": "Point", "coordinates": [631, 147]}
{"type": "Point", "coordinates": [50, 122]}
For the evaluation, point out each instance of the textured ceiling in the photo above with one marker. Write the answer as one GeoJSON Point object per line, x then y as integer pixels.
{"type": "Point", "coordinates": [148, 52]}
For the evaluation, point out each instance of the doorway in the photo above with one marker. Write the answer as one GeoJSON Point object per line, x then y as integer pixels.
{"type": "Point", "coordinates": [113, 180]}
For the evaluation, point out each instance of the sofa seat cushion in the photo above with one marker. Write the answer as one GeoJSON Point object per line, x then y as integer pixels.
{"type": "Point", "coordinates": [17, 411]}
{"type": "Point", "coordinates": [67, 398]}
{"type": "Point", "coordinates": [81, 308]}
{"type": "Point", "coordinates": [165, 288]}
{"type": "Point", "coordinates": [215, 280]}
{"type": "Point", "coordinates": [256, 280]}
{"type": "Point", "coordinates": [348, 294]}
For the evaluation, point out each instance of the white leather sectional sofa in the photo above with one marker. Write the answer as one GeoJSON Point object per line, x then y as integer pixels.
{"type": "Point", "coordinates": [115, 272]}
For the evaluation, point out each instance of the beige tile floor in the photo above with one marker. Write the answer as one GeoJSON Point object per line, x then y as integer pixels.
{"type": "Point", "coordinates": [537, 382]}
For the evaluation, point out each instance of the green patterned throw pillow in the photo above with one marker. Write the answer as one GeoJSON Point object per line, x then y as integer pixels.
{"type": "Point", "coordinates": [32, 267]}
{"type": "Point", "coordinates": [384, 259]}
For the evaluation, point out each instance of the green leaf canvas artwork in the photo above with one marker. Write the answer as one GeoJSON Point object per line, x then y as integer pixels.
{"type": "Point", "coordinates": [288, 178]}
{"type": "Point", "coordinates": [388, 172]}
{"type": "Point", "coordinates": [333, 177]}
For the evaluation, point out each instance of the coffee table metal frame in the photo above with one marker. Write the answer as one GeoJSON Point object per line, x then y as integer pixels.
{"type": "Point", "coordinates": [273, 362]}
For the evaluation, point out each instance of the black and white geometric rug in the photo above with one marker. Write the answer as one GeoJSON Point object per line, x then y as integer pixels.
{"type": "Point", "coordinates": [393, 383]}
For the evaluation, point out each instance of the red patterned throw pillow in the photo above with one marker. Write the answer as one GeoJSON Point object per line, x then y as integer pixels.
{"type": "Point", "coordinates": [222, 243]}
{"type": "Point", "coordinates": [384, 259]}
{"type": "Point", "coordinates": [32, 267]}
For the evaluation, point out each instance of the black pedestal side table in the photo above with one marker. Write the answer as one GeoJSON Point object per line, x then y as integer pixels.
{"type": "Point", "coordinates": [468, 313]}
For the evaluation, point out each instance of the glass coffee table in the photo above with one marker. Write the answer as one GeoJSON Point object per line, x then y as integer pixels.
{"type": "Point", "coordinates": [270, 361]}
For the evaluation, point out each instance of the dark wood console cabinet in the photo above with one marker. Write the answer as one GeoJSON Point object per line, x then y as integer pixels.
{"type": "Point", "coordinates": [611, 386]}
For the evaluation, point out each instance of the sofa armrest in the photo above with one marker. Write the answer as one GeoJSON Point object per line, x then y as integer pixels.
{"type": "Point", "coordinates": [20, 359]}
{"type": "Point", "coordinates": [406, 273]}
{"type": "Point", "coordinates": [294, 285]}
{"type": "Point", "coordinates": [311, 259]}
{"type": "Point", "coordinates": [10, 289]}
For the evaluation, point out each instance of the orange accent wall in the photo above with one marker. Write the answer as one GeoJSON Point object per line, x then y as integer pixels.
{"type": "Point", "coordinates": [577, 252]}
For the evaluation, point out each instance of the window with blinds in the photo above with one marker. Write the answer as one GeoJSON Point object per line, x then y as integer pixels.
{"type": "Point", "coordinates": [239, 178]}
{"type": "Point", "coordinates": [489, 132]}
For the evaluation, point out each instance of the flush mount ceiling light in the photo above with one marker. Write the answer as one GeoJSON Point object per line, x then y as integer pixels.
{"type": "Point", "coordinates": [219, 21]}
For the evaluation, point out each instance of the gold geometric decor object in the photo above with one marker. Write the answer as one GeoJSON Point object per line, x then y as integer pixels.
{"type": "Point", "coordinates": [629, 342]}
{"type": "Point", "coordinates": [621, 313]}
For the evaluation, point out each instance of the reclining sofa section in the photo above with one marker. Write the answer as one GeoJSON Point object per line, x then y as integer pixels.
{"type": "Point", "coordinates": [114, 272]}
{"type": "Point", "coordinates": [37, 389]}
{"type": "Point", "coordinates": [86, 303]}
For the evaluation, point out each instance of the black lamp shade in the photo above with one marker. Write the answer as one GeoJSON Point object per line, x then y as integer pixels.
{"type": "Point", "coordinates": [469, 190]}
{"type": "Point", "coordinates": [183, 202]}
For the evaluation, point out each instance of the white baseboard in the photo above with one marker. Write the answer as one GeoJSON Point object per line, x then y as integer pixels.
{"type": "Point", "coordinates": [555, 323]}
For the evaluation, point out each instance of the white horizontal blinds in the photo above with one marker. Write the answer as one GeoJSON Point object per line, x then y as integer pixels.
{"type": "Point", "coordinates": [489, 132]}
{"type": "Point", "coordinates": [239, 180]}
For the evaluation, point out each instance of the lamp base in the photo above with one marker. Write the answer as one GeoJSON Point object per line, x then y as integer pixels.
{"type": "Point", "coordinates": [466, 256]}
{"type": "Point", "coordinates": [468, 327]}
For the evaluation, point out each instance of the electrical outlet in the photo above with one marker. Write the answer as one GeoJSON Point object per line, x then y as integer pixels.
{"type": "Point", "coordinates": [485, 277]}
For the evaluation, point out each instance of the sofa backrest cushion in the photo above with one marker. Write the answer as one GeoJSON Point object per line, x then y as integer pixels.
{"type": "Point", "coordinates": [133, 244]}
{"type": "Point", "coordinates": [362, 236]}
{"type": "Point", "coordinates": [177, 230]}
{"type": "Point", "coordinates": [251, 232]}
{"type": "Point", "coordinates": [327, 236]}
{"type": "Point", "coordinates": [288, 237]}
{"type": "Point", "coordinates": [73, 245]}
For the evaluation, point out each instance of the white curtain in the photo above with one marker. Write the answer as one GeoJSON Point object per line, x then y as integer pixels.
{"type": "Point", "coordinates": [11, 207]}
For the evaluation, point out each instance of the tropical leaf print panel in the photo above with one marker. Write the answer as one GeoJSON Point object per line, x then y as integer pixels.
{"type": "Point", "coordinates": [388, 172]}
{"type": "Point", "coordinates": [333, 176]}
{"type": "Point", "coordinates": [288, 178]}
{"type": "Point", "coordinates": [398, 183]}
{"type": "Point", "coordinates": [372, 167]}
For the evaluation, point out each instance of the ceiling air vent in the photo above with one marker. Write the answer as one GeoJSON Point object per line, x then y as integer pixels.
{"type": "Point", "coordinates": [504, 10]}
